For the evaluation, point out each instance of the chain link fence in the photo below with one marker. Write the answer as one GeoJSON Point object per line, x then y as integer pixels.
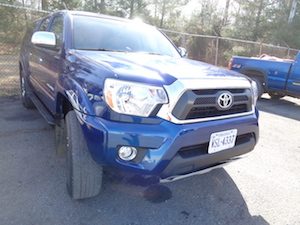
{"type": "Point", "coordinates": [14, 21]}
{"type": "Point", "coordinates": [218, 50]}
{"type": "Point", "coordinates": [211, 49]}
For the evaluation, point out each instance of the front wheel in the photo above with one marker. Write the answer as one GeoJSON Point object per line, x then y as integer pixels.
{"type": "Point", "coordinates": [276, 96]}
{"type": "Point", "coordinates": [84, 175]}
{"type": "Point", "coordinates": [260, 86]}
{"type": "Point", "coordinates": [24, 87]}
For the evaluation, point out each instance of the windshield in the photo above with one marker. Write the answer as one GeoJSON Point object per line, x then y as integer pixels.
{"type": "Point", "coordinates": [93, 33]}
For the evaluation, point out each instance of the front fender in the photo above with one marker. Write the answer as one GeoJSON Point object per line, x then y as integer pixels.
{"type": "Point", "coordinates": [82, 84]}
{"type": "Point", "coordinates": [82, 97]}
{"type": "Point", "coordinates": [79, 99]}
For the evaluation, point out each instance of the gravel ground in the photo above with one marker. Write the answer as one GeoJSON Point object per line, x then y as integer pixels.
{"type": "Point", "coordinates": [263, 188]}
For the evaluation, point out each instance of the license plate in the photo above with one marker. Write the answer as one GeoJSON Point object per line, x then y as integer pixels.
{"type": "Point", "coordinates": [222, 140]}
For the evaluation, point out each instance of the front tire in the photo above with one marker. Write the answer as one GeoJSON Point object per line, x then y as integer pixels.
{"type": "Point", "coordinates": [84, 175]}
{"type": "Point", "coordinates": [276, 96]}
{"type": "Point", "coordinates": [24, 87]}
{"type": "Point", "coordinates": [260, 86]}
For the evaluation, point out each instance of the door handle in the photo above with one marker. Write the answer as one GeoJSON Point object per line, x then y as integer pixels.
{"type": "Point", "coordinates": [296, 83]}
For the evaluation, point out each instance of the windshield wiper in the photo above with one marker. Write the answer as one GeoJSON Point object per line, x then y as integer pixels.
{"type": "Point", "coordinates": [153, 53]}
{"type": "Point", "coordinates": [112, 50]}
{"type": "Point", "coordinates": [100, 49]}
{"type": "Point", "coordinates": [150, 53]}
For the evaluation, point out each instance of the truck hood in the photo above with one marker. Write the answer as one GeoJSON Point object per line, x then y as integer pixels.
{"type": "Point", "coordinates": [156, 68]}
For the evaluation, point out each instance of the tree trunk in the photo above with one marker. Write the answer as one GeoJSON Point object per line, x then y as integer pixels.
{"type": "Point", "coordinates": [102, 6]}
{"type": "Point", "coordinates": [25, 14]}
{"type": "Point", "coordinates": [95, 8]}
{"type": "Point", "coordinates": [139, 7]}
{"type": "Point", "coordinates": [225, 17]}
{"type": "Point", "coordinates": [155, 8]}
{"type": "Point", "coordinates": [45, 5]}
{"type": "Point", "coordinates": [131, 9]}
{"type": "Point", "coordinates": [292, 11]}
{"type": "Point", "coordinates": [257, 20]}
{"type": "Point", "coordinates": [163, 12]}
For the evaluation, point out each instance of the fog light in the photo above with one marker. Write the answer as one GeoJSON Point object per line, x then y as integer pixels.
{"type": "Point", "coordinates": [127, 153]}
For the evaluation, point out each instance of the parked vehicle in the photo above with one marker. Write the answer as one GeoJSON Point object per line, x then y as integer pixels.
{"type": "Point", "coordinates": [278, 77]}
{"type": "Point", "coordinates": [121, 95]}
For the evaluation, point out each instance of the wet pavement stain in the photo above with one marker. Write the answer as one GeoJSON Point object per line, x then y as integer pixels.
{"type": "Point", "coordinates": [143, 181]}
{"type": "Point", "coordinates": [157, 194]}
{"type": "Point", "coordinates": [185, 214]}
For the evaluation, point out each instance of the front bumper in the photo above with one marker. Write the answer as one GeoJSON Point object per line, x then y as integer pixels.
{"type": "Point", "coordinates": [167, 149]}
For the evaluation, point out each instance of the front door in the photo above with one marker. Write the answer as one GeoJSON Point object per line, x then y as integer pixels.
{"type": "Point", "coordinates": [51, 67]}
{"type": "Point", "coordinates": [36, 58]}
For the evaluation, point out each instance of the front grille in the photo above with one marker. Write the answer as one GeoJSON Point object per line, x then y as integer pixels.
{"type": "Point", "coordinates": [200, 104]}
{"type": "Point", "coordinates": [203, 112]}
{"type": "Point", "coordinates": [215, 91]}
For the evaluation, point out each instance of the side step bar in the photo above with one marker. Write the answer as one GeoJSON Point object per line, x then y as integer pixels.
{"type": "Point", "coordinates": [179, 177]}
{"type": "Point", "coordinates": [42, 109]}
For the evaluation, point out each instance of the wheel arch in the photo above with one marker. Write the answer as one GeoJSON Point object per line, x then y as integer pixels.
{"type": "Point", "coordinates": [63, 105]}
{"type": "Point", "coordinates": [21, 67]}
{"type": "Point", "coordinates": [256, 73]}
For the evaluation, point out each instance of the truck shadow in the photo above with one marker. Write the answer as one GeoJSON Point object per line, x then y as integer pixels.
{"type": "Point", "coordinates": [211, 198]}
{"type": "Point", "coordinates": [287, 107]}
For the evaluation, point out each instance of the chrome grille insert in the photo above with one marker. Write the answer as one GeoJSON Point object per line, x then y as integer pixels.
{"type": "Point", "coordinates": [198, 104]}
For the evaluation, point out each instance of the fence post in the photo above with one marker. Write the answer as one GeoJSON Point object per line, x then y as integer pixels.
{"type": "Point", "coordinates": [183, 41]}
{"type": "Point", "coordinates": [260, 48]}
{"type": "Point", "coordinates": [217, 50]}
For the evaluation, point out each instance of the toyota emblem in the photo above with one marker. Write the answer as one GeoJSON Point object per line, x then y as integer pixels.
{"type": "Point", "coordinates": [225, 100]}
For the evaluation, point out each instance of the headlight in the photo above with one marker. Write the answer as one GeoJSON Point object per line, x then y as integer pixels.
{"type": "Point", "coordinates": [133, 98]}
{"type": "Point", "coordinates": [254, 90]}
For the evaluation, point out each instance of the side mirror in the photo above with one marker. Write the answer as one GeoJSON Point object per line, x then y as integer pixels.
{"type": "Point", "coordinates": [44, 39]}
{"type": "Point", "coordinates": [182, 52]}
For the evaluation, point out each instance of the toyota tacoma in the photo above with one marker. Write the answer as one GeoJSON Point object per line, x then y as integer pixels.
{"type": "Point", "coordinates": [121, 95]}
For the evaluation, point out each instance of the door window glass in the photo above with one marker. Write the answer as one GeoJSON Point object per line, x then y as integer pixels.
{"type": "Point", "coordinates": [44, 25]}
{"type": "Point", "coordinates": [57, 29]}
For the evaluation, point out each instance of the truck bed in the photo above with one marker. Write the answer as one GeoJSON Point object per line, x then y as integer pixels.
{"type": "Point", "coordinates": [276, 71]}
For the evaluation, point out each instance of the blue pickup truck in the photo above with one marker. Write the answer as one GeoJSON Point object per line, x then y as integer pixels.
{"type": "Point", "coordinates": [278, 77]}
{"type": "Point", "coordinates": [122, 96]}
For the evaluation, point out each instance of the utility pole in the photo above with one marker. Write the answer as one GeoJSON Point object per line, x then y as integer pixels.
{"type": "Point", "coordinates": [293, 11]}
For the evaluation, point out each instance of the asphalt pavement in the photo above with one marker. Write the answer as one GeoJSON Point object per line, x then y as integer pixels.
{"type": "Point", "coordinates": [263, 188]}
